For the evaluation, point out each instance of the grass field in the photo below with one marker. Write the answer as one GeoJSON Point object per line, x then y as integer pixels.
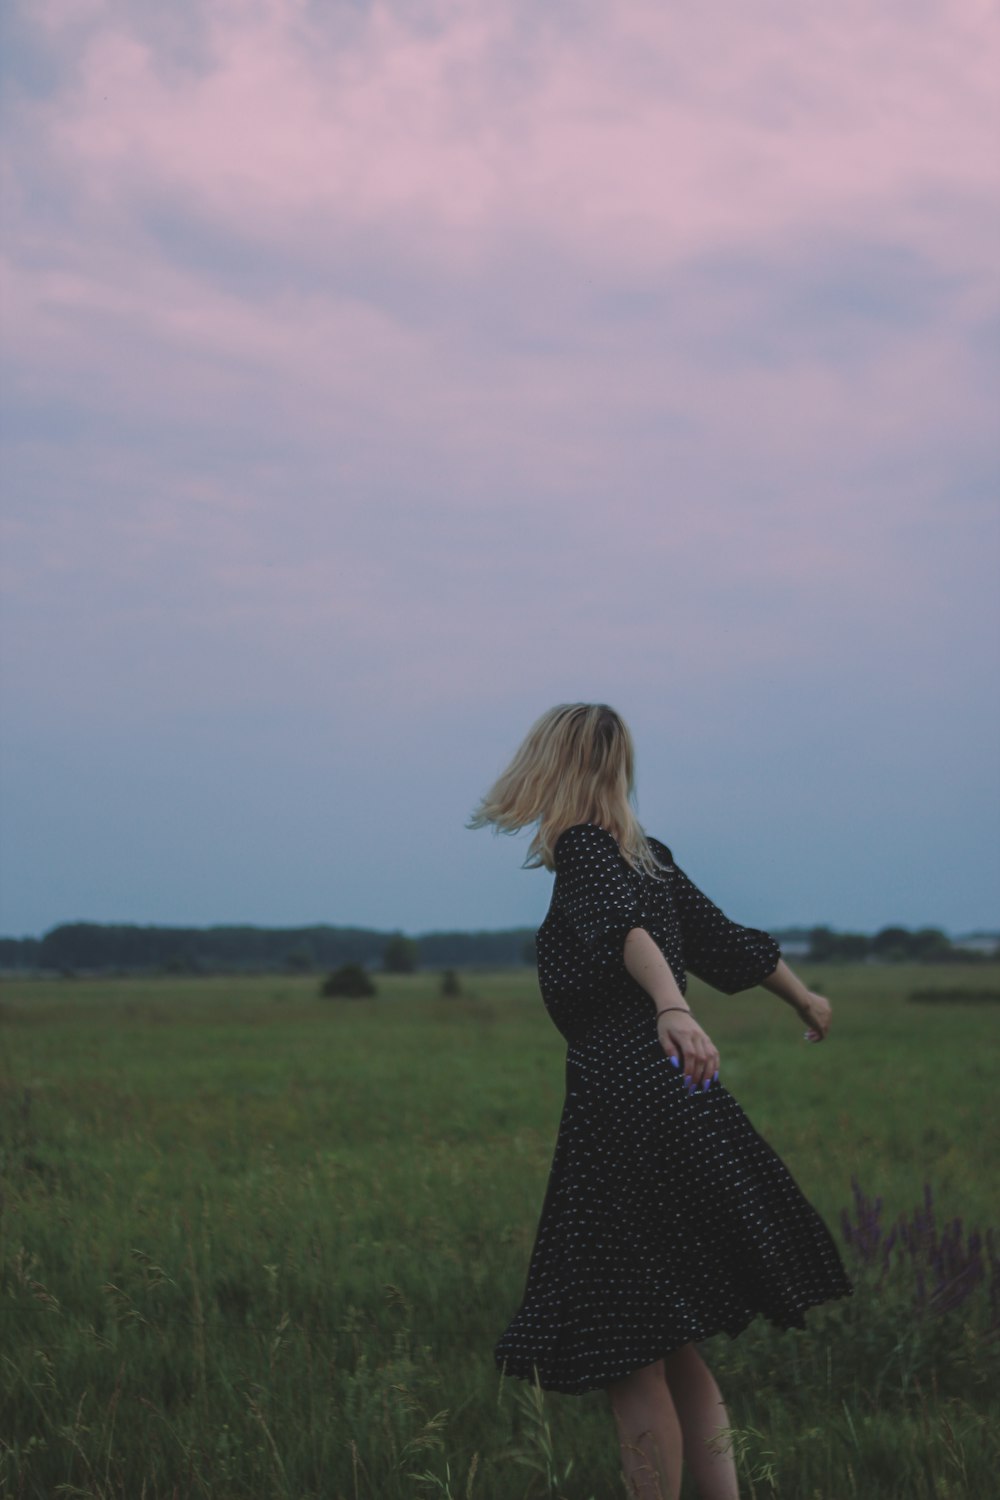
{"type": "Point", "coordinates": [258, 1244]}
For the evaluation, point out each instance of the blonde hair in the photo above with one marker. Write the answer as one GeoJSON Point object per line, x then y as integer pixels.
{"type": "Point", "coordinates": [575, 765]}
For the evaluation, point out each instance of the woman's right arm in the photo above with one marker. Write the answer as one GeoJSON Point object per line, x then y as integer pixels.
{"type": "Point", "coordinates": [732, 957]}
{"type": "Point", "coordinates": [813, 1008]}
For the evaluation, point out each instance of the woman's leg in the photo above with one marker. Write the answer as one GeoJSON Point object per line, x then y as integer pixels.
{"type": "Point", "coordinates": [649, 1433]}
{"type": "Point", "coordinates": [702, 1412]}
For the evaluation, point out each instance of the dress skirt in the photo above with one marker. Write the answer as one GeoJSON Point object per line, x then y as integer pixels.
{"type": "Point", "coordinates": [667, 1218]}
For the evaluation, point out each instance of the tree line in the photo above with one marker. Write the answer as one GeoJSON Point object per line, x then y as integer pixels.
{"type": "Point", "coordinates": [893, 945]}
{"type": "Point", "coordinates": [125, 948]}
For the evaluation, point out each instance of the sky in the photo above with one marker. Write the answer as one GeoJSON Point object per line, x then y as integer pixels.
{"type": "Point", "coordinates": [378, 375]}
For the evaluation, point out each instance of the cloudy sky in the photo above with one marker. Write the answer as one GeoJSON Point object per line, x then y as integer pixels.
{"type": "Point", "coordinates": [378, 375]}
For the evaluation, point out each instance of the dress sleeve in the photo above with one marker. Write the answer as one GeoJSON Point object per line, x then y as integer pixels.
{"type": "Point", "coordinates": [599, 895]}
{"type": "Point", "coordinates": [725, 955]}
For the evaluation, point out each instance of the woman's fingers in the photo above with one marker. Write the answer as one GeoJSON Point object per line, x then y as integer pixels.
{"type": "Point", "coordinates": [703, 1067]}
{"type": "Point", "coordinates": [816, 1011]}
{"type": "Point", "coordinates": [699, 1058]}
{"type": "Point", "coordinates": [696, 1053]}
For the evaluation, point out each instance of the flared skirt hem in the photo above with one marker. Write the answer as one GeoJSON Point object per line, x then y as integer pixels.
{"type": "Point", "coordinates": [519, 1368]}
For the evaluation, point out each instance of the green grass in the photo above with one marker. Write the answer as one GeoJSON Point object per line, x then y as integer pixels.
{"type": "Point", "coordinates": [257, 1244]}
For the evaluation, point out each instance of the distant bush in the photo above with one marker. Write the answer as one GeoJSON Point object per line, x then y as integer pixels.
{"type": "Point", "coordinates": [349, 982]}
{"type": "Point", "coordinates": [450, 984]}
{"type": "Point", "coordinates": [956, 996]}
{"type": "Point", "coordinates": [401, 955]}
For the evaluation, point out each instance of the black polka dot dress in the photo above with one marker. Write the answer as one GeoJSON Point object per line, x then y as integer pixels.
{"type": "Point", "coordinates": [667, 1218]}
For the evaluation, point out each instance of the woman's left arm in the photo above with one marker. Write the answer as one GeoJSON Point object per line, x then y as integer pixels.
{"type": "Point", "coordinates": [677, 1029]}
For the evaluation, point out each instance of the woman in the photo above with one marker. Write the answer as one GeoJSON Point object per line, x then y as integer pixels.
{"type": "Point", "coordinates": [667, 1218]}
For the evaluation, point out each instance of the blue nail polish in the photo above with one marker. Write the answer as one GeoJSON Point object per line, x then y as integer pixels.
{"type": "Point", "coordinates": [676, 1061]}
{"type": "Point", "coordinates": [715, 1076]}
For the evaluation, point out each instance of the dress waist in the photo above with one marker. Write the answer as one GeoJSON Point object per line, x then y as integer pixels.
{"type": "Point", "coordinates": [575, 1016]}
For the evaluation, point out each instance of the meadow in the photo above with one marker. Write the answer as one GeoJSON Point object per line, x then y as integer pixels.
{"type": "Point", "coordinates": [259, 1244]}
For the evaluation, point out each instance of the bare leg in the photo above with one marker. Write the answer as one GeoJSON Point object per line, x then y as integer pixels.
{"type": "Point", "coordinates": [702, 1412]}
{"type": "Point", "coordinates": [649, 1433]}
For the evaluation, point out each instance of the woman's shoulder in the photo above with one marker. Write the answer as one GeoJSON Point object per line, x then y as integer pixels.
{"type": "Point", "coordinates": [660, 850]}
{"type": "Point", "coordinates": [590, 839]}
{"type": "Point", "coordinates": [584, 836]}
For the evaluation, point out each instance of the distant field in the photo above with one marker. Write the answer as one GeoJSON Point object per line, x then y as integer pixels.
{"type": "Point", "coordinates": [257, 1244]}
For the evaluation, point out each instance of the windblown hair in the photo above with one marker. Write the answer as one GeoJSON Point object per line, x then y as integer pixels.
{"type": "Point", "coordinates": [575, 765]}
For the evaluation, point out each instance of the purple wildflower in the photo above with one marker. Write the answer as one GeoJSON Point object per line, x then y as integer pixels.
{"type": "Point", "coordinates": [946, 1265]}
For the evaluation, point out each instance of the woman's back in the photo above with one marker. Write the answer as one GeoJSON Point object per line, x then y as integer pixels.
{"type": "Point", "coordinates": [598, 898]}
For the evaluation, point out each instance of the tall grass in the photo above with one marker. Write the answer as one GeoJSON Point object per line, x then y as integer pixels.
{"type": "Point", "coordinates": [256, 1244]}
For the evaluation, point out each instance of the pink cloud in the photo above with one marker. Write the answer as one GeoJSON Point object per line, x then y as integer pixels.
{"type": "Point", "coordinates": [640, 133]}
{"type": "Point", "coordinates": [448, 220]}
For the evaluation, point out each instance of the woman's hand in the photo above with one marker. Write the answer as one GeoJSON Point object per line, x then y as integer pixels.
{"type": "Point", "coordinates": [680, 1033]}
{"type": "Point", "coordinates": [815, 1010]}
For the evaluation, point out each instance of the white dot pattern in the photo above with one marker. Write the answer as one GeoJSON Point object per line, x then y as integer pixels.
{"type": "Point", "coordinates": [667, 1217]}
